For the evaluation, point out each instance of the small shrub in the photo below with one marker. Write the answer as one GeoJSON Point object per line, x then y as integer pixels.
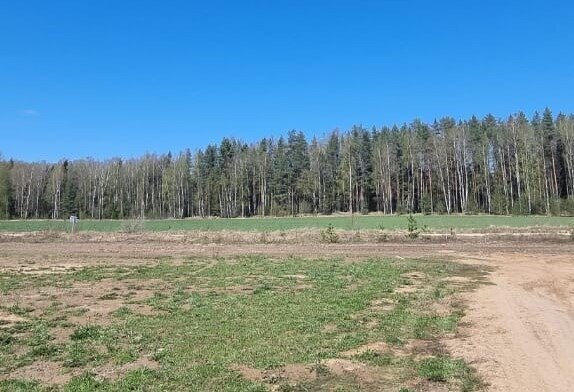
{"type": "Point", "coordinates": [329, 235]}
{"type": "Point", "coordinates": [412, 227]}
{"type": "Point", "coordinates": [132, 226]}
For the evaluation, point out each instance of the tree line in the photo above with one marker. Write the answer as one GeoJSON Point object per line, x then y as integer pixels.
{"type": "Point", "coordinates": [511, 166]}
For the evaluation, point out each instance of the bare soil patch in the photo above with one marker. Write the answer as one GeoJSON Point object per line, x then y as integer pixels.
{"type": "Point", "coordinates": [45, 372]}
{"type": "Point", "coordinates": [54, 373]}
{"type": "Point", "coordinates": [113, 372]}
{"type": "Point", "coordinates": [9, 319]}
{"type": "Point", "coordinates": [377, 347]}
{"type": "Point", "coordinates": [82, 302]}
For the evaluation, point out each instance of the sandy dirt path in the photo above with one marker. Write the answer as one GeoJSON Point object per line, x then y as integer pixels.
{"type": "Point", "coordinates": [518, 331]}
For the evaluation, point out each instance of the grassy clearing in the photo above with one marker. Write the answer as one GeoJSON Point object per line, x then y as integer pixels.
{"type": "Point", "coordinates": [243, 324]}
{"type": "Point", "coordinates": [340, 222]}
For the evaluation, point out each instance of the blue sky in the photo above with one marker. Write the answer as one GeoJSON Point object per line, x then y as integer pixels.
{"type": "Point", "coordinates": [121, 78]}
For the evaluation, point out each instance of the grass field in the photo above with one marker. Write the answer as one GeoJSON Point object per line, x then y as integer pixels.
{"type": "Point", "coordinates": [358, 222]}
{"type": "Point", "coordinates": [240, 324]}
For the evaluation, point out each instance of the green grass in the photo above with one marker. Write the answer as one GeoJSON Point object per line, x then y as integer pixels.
{"type": "Point", "coordinates": [358, 222]}
{"type": "Point", "coordinates": [213, 314]}
{"type": "Point", "coordinates": [443, 369]}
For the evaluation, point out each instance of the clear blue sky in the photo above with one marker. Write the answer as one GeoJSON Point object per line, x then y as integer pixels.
{"type": "Point", "coordinates": [119, 78]}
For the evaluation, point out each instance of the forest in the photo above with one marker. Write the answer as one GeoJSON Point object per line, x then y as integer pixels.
{"type": "Point", "coordinates": [517, 165]}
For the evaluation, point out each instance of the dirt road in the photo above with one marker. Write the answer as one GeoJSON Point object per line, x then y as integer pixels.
{"type": "Point", "coordinates": [518, 331]}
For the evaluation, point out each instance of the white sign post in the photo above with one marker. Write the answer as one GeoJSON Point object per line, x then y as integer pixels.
{"type": "Point", "coordinates": [73, 220]}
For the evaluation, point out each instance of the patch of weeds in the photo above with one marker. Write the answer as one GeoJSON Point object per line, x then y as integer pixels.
{"type": "Point", "coordinates": [78, 355]}
{"type": "Point", "coordinates": [376, 358]}
{"type": "Point", "coordinates": [87, 332]}
{"type": "Point", "coordinates": [123, 312]}
{"type": "Point", "coordinates": [6, 339]}
{"type": "Point", "coordinates": [328, 235]}
{"type": "Point", "coordinates": [137, 380]}
{"type": "Point", "coordinates": [159, 354]}
{"type": "Point", "coordinates": [121, 356]}
{"type": "Point", "coordinates": [45, 350]}
{"type": "Point", "coordinates": [446, 369]}
{"type": "Point", "coordinates": [40, 342]}
{"type": "Point", "coordinates": [440, 291]}
{"type": "Point", "coordinates": [171, 303]}
{"type": "Point", "coordinates": [427, 326]}
{"type": "Point", "coordinates": [262, 288]}
{"type": "Point", "coordinates": [7, 284]}
{"type": "Point", "coordinates": [84, 383]}
{"type": "Point", "coordinates": [78, 312]}
{"type": "Point", "coordinates": [20, 327]}
{"type": "Point", "coordinates": [89, 274]}
{"type": "Point", "coordinates": [20, 386]}
{"type": "Point", "coordinates": [20, 310]}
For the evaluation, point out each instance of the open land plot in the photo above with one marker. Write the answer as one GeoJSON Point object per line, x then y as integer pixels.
{"type": "Point", "coordinates": [109, 313]}
{"type": "Point", "coordinates": [439, 223]}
